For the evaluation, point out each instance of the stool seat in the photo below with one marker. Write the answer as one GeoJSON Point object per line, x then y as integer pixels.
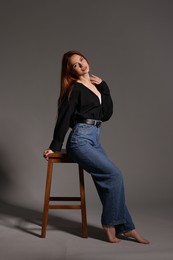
{"type": "Point", "coordinates": [63, 157]}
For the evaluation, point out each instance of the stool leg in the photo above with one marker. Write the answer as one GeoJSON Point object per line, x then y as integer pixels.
{"type": "Point", "coordinates": [83, 203]}
{"type": "Point", "coordinates": [46, 198]}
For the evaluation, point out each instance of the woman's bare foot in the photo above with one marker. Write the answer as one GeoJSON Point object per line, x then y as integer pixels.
{"type": "Point", "coordinates": [111, 234]}
{"type": "Point", "coordinates": [134, 234]}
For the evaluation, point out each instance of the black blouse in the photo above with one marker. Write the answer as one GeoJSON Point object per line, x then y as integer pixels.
{"type": "Point", "coordinates": [82, 103]}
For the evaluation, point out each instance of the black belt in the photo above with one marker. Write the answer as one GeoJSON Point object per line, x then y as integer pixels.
{"type": "Point", "coordinates": [97, 123]}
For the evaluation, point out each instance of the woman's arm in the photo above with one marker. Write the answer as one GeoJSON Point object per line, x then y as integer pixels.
{"type": "Point", "coordinates": [107, 104]}
{"type": "Point", "coordinates": [63, 122]}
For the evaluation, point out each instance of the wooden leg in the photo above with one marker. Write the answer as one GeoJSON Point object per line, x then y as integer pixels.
{"type": "Point", "coordinates": [46, 198]}
{"type": "Point", "coordinates": [83, 203]}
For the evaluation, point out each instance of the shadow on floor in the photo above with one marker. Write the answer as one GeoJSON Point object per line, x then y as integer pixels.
{"type": "Point", "coordinates": [30, 221]}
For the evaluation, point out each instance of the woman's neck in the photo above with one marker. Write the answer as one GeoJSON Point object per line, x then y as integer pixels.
{"type": "Point", "coordinates": [85, 78]}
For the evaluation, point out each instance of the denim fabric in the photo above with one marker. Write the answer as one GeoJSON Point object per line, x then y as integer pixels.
{"type": "Point", "coordinates": [84, 147]}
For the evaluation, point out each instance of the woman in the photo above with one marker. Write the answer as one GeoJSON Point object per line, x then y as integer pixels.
{"type": "Point", "coordinates": [85, 103]}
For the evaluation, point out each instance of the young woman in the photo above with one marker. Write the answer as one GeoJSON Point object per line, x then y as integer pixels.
{"type": "Point", "coordinates": [84, 103]}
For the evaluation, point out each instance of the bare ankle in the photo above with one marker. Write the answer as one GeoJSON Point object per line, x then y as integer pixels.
{"type": "Point", "coordinates": [111, 234]}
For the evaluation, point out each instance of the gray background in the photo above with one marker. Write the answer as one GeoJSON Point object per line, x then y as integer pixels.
{"type": "Point", "coordinates": [129, 45]}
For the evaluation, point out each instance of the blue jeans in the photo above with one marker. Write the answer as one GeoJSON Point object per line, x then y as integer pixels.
{"type": "Point", "coordinates": [84, 148]}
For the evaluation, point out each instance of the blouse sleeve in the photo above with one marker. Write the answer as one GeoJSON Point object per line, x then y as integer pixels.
{"type": "Point", "coordinates": [107, 104]}
{"type": "Point", "coordinates": [63, 121]}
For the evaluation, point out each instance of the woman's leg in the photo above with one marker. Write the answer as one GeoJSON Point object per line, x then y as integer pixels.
{"type": "Point", "coordinates": [83, 146]}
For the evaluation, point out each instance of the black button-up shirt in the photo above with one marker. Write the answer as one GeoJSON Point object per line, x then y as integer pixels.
{"type": "Point", "coordinates": [82, 103]}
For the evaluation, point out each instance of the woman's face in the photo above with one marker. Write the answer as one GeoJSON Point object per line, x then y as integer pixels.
{"type": "Point", "coordinates": [79, 65]}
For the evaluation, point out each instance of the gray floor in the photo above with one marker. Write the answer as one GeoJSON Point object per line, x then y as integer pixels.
{"type": "Point", "coordinates": [20, 235]}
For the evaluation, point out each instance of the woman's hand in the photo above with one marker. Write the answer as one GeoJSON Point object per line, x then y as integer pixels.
{"type": "Point", "coordinates": [95, 80]}
{"type": "Point", "coordinates": [46, 153]}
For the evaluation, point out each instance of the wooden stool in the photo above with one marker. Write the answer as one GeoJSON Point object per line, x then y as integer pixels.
{"type": "Point", "coordinates": [62, 157]}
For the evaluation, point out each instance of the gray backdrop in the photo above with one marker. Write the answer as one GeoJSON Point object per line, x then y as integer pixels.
{"type": "Point", "coordinates": [129, 44]}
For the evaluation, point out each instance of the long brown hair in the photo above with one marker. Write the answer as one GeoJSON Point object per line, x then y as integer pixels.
{"type": "Point", "coordinates": [68, 78]}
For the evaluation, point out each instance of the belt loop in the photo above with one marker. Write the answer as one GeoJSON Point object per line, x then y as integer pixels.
{"type": "Point", "coordinates": [98, 124]}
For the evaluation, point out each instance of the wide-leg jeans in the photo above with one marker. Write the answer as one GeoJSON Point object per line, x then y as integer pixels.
{"type": "Point", "coordinates": [84, 147]}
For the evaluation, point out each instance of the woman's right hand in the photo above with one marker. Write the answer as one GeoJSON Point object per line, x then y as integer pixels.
{"type": "Point", "coordinates": [46, 153]}
{"type": "Point", "coordinates": [95, 80]}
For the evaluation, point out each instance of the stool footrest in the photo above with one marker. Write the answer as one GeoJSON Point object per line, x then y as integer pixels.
{"type": "Point", "coordinates": [64, 199]}
{"type": "Point", "coordinates": [64, 206]}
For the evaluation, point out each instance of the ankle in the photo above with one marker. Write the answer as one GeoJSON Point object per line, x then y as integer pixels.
{"type": "Point", "coordinates": [111, 234]}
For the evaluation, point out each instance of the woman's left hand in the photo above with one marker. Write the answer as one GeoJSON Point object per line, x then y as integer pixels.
{"type": "Point", "coordinates": [46, 153]}
{"type": "Point", "coordinates": [95, 80]}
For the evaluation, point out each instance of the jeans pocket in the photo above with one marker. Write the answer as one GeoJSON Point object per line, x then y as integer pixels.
{"type": "Point", "coordinates": [82, 134]}
{"type": "Point", "coordinates": [83, 129]}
